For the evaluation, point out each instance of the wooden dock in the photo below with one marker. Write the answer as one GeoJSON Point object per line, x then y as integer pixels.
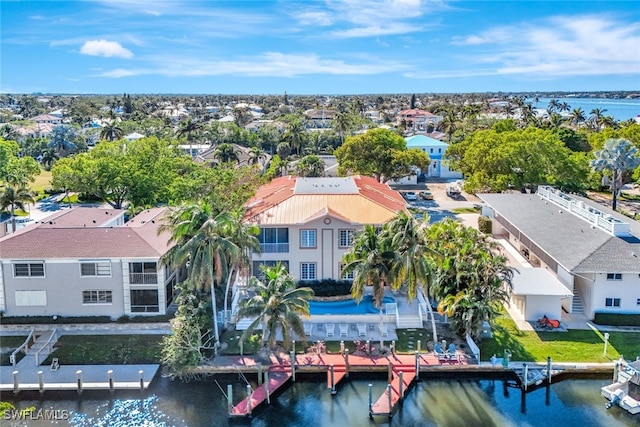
{"type": "Point", "coordinates": [335, 374]}
{"type": "Point", "coordinates": [277, 377]}
{"type": "Point", "coordinates": [402, 376]}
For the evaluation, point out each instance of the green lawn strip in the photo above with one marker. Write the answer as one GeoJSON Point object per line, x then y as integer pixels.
{"type": "Point", "coordinates": [42, 181]}
{"type": "Point", "coordinates": [8, 345]}
{"type": "Point", "coordinates": [466, 210]}
{"type": "Point", "coordinates": [571, 346]}
{"type": "Point", "coordinates": [107, 349]}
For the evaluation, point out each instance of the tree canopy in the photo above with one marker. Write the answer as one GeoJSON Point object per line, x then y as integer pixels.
{"type": "Point", "coordinates": [380, 153]}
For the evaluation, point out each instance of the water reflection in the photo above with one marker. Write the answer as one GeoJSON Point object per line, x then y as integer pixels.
{"type": "Point", "coordinates": [429, 403]}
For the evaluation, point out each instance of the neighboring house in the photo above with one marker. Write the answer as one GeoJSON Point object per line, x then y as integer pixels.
{"type": "Point", "coordinates": [436, 150]}
{"type": "Point", "coordinates": [418, 120]}
{"type": "Point", "coordinates": [133, 136]}
{"type": "Point", "coordinates": [592, 250]}
{"type": "Point", "coordinates": [47, 119]}
{"type": "Point", "coordinates": [319, 119]}
{"type": "Point", "coordinates": [87, 262]}
{"type": "Point", "coordinates": [308, 223]}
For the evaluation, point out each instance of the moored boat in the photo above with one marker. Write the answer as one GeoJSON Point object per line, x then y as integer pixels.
{"type": "Point", "coordinates": [625, 391]}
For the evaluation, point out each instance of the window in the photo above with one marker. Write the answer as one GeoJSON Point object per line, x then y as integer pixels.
{"type": "Point", "coordinates": [431, 150]}
{"type": "Point", "coordinates": [35, 269]}
{"type": "Point", "coordinates": [144, 301]}
{"type": "Point", "coordinates": [89, 269]}
{"type": "Point", "coordinates": [97, 297]}
{"type": "Point", "coordinates": [307, 238]}
{"type": "Point", "coordinates": [308, 271]}
{"type": "Point", "coordinates": [612, 302]}
{"type": "Point", "coordinates": [346, 238]}
{"type": "Point", "coordinates": [638, 301]}
{"type": "Point", "coordinates": [614, 276]}
{"type": "Point", "coordinates": [439, 150]}
{"type": "Point", "coordinates": [31, 298]}
{"type": "Point", "coordinates": [345, 276]}
{"type": "Point", "coordinates": [143, 273]}
{"type": "Point", "coordinates": [274, 240]}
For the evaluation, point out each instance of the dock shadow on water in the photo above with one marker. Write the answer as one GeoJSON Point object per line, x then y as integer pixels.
{"type": "Point", "coordinates": [307, 402]}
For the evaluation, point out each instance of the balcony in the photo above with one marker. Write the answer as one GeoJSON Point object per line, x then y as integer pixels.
{"type": "Point", "coordinates": [272, 248]}
{"type": "Point", "coordinates": [143, 278]}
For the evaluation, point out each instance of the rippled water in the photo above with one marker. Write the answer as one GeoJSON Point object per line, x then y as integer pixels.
{"type": "Point", "coordinates": [430, 403]}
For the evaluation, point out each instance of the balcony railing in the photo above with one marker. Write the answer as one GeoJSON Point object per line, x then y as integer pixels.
{"type": "Point", "coordinates": [143, 278]}
{"type": "Point", "coordinates": [278, 248]}
{"type": "Point", "coordinates": [145, 308]}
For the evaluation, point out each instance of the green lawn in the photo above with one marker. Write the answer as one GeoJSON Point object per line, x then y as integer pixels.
{"type": "Point", "coordinates": [42, 181]}
{"type": "Point", "coordinates": [107, 349]}
{"type": "Point", "coordinates": [570, 346]}
{"type": "Point", "coordinates": [8, 345]}
{"type": "Point", "coordinates": [466, 210]}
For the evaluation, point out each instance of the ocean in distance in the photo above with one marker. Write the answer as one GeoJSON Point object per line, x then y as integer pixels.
{"type": "Point", "coordinates": [619, 109]}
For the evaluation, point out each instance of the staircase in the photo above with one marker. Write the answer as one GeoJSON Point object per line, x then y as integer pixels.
{"type": "Point", "coordinates": [408, 321]}
{"type": "Point", "coordinates": [41, 348]}
{"type": "Point", "coordinates": [244, 323]}
{"type": "Point", "coordinates": [576, 305]}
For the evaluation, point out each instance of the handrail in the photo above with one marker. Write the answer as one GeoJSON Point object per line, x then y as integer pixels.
{"type": "Point", "coordinates": [23, 347]}
{"type": "Point", "coordinates": [473, 347]}
{"type": "Point", "coordinates": [54, 334]}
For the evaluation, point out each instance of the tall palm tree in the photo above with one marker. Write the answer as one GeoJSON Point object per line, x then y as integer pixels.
{"type": "Point", "coordinates": [187, 129]}
{"type": "Point", "coordinates": [310, 166]}
{"type": "Point", "coordinates": [554, 105]}
{"type": "Point", "coordinates": [201, 237]}
{"type": "Point", "coordinates": [577, 116]}
{"type": "Point", "coordinates": [370, 259]}
{"type": "Point", "coordinates": [295, 135]}
{"type": "Point", "coordinates": [15, 197]}
{"type": "Point", "coordinates": [255, 154]}
{"type": "Point", "coordinates": [617, 156]}
{"type": "Point", "coordinates": [449, 123]}
{"type": "Point", "coordinates": [111, 132]}
{"type": "Point", "coordinates": [226, 153]}
{"type": "Point", "coordinates": [49, 156]}
{"type": "Point", "coordinates": [596, 117]}
{"type": "Point", "coordinates": [278, 305]}
{"type": "Point", "coordinates": [413, 264]}
{"type": "Point", "coordinates": [342, 123]}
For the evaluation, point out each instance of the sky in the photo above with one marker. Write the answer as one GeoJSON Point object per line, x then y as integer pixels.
{"type": "Point", "coordinates": [318, 47]}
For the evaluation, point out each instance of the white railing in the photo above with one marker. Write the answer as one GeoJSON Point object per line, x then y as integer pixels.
{"type": "Point", "coordinates": [475, 350]}
{"type": "Point", "coordinates": [391, 309]}
{"type": "Point", "coordinates": [48, 346]}
{"type": "Point", "coordinates": [24, 347]}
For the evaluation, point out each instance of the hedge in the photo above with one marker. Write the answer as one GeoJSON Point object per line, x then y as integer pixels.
{"type": "Point", "coordinates": [327, 287]}
{"type": "Point", "coordinates": [617, 319]}
{"type": "Point", "coordinates": [484, 224]}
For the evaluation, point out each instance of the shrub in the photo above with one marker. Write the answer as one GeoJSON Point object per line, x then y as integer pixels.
{"type": "Point", "coordinates": [327, 287]}
{"type": "Point", "coordinates": [484, 224]}
{"type": "Point", "coordinates": [617, 319]}
{"type": "Point", "coordinates": [40, 320]}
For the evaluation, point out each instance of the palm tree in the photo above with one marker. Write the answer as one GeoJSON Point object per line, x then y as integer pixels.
{"type": "Point", "coordinates": [187, 129]}
{"type": "Point", "coordinates": [276, 305]}
{"type": "Point", "coordinates": [577, 116]}
{"type": "Point", "coordinates": [310, 166]}
{"type": "Point", "coordinates": [449, 123]}
{"type": "Point", "coordinates": [49, 156]}
{"type": "Point", "coordinates": [201, 237]}
{"type": "Point", "coordinates": [617, 156]}
{"type": "Point", "coordinates": [596, 117]}
{"type": "Point", "coordinates": [226, 153]}
{"type": "Point", "coordinates": [555, 120]}
{"type": "Point", "coordinates": [413, 262]}
{"type": "Point", "coordinates": [295, 135]}
{"type": "Point", "coordinates": [15, 197]}
{"type": "Point", "coordinates": [111, 132]}
{"type": "Point", "coordinates": [370, 259]}
{"type": "Point", "coordinates": [255, 154]}
{"type": "Point", "coordinates": [554, 105]}
{"type": "Point", "coordinates": [342, 124]}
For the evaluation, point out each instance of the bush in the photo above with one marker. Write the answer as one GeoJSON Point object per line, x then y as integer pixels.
{"type": "Point", "coordinates": [484, 224]}
{"type": "Point", "coordinates": [617, 319]}
{"type": "Point", "coordinates": [40, 320]}
{"type": "Point", "coordinates": [327, 287]}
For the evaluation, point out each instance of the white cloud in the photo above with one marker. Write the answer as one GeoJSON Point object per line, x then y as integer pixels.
{"type": "Point", "coordinates": [105, 48]}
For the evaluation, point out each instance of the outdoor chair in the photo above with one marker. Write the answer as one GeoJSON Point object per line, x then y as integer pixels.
{"type": "Point", "coordinates": [330, 330]}
{"type": "Point", "coordinates": [344, 330]}
{"type": "Point", "coordinates": [384, 330]}
{"type": "Point", "coordinates": [362, 330]}
{"type": "Point", "coordinates": [308, 328]}
{"type": "Point", "coordinates": [453, 352]}
{"type": "Point", "coordinates": [442, 355]}
{"type": "Point", "coordinates": [55, 364]}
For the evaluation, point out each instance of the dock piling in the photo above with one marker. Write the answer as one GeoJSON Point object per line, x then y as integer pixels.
{"type": "Point", "coordinates": [370, 400]}
{"type": "Point", "coordinates": [419, 345]}
{"type": "Point", "coordinates": [368, 347]}
{"type": "Point", "coordinates": [548, 369]}
{"type": "Point", "coordinates": [229, 398]}
{"type": "Point", "coordinates": [79, 377]}
{"type": "Point", "coordinates": [16, 384]}
{"type": "Point", "coordinates": [292, 356]}
{"type": "Point", "coordinates": [389, 393]}
{"type": "Point", "coordinates": [110, 376]}
{"type": "Point", "coordinates": [259, 373]}
{"type": "Point", "coordinates": [393, 347]}
{"type": "Point", "coordinates": [266, 386]}
{"type": "Point", "coordinates": [342, 347]}
{"type": "Point", "coordinates": [616, 366]}
{"type": "Point", "coordinates": [41, 381]}
{"type": "Point", "coordinates": [400, 386]}
{"type": "Point", "coordinates": [241, 348]}
{"type": "Point", "coordinates": [418, 363]}
{"type": "Point", "coordinates": [333, 382]}
{"type": "Point", "coordinates": [249, 398]}
{"type": "Point", "coordinates": [141, 374]}
{"type": "Point", "coordinates": [525, 376]}
{"type": "Point", "coordinates": [346, 362]}
{"type": "Point", "coordinates": [390, 373]}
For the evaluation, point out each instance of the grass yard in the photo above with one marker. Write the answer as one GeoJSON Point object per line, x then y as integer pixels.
{"type": "Point", "coordinates": [107, 349]}
{"type": "Point", "coordinates": [7, 346]}
{"type": "Point", "coordinates": [570, 346]}
{"type": "Point", "coordinates": [42, 181]}
{"type": "Point", "coordinates": [466, 210]}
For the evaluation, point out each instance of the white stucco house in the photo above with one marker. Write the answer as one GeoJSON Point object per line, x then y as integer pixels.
{"type": "Point", "coordinates": [591, 250]}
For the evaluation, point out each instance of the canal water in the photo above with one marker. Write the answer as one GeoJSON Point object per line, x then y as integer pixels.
{"type": "Point", "coordinates": [432, 402]}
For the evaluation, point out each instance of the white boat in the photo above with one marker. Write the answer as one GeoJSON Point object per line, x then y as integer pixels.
{"type": "Point", "coordinates": [625, 392]}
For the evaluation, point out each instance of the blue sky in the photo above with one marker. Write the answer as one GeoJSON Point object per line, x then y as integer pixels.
{"type": "Point", "coordinates": [318, 47]}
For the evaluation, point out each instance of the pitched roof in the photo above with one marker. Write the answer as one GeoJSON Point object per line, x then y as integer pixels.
{"type": "Point", "coordinates": [568, 239]}
{"type": "Point", "coordinates": [61, 239]}
{"type": "Point", "coordinates": [294, 200]}
{"type": "Point", "coordinates": [81, 217]}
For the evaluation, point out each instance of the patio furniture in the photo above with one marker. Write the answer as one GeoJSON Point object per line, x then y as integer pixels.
{"type": "Point", "coordinates": [308, 328]}
{"type": "Point", "coordinates": [442, 355]}
{"type": "Point", "coordinates": [384, 330]}
{"type": "Point", "coordinates": [362, 330]}
{"type": "Point", "coordinates": [344, 330]}
{"type": "Point", "coordinates": [55, 364]}
{"type": "Point", "coordinates": [330, 330]}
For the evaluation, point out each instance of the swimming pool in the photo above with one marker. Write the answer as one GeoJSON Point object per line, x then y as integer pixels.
{"type": "Point", "coordinates": [347, 306]}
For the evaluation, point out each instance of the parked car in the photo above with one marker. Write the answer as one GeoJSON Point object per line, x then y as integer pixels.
{"type": "Point", "coordinates": [410, 195]}
{"type": "Point", "coordinates": [425, 195]}
{"type": "Point", "coordinates": [453, 191]}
